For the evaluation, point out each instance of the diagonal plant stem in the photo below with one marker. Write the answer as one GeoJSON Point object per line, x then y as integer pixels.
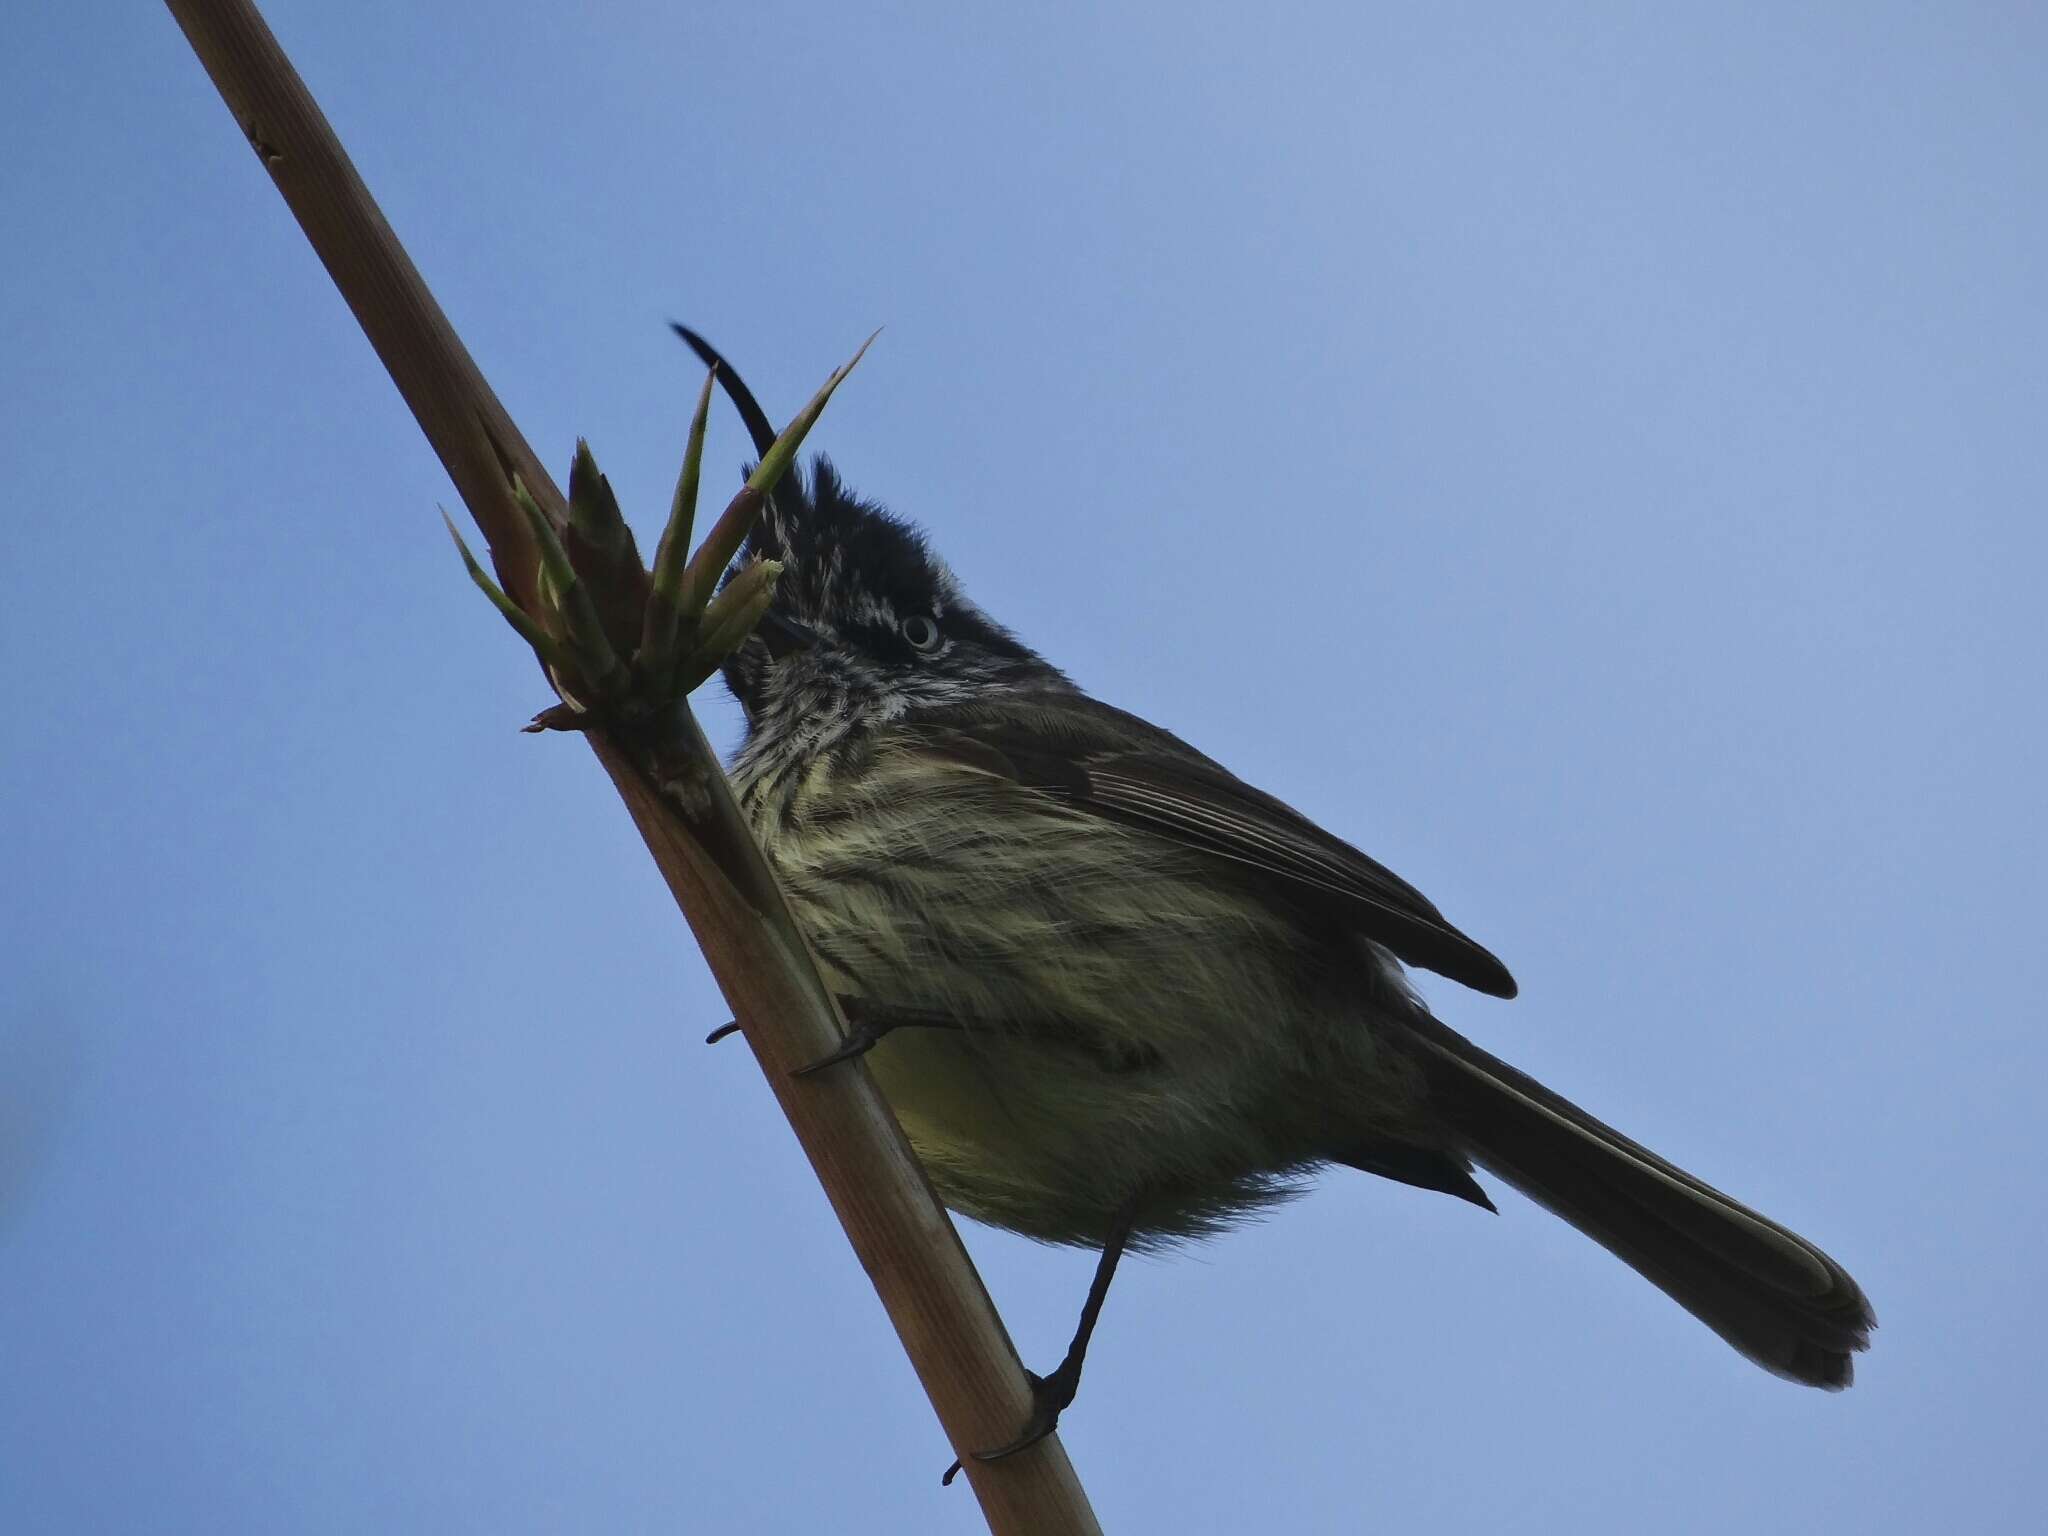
{"type": "Point", "coordinates": [677, 798]}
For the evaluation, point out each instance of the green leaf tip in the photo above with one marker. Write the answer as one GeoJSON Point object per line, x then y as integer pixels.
{"type": "Point", "coordinates": [593, 511]}
{"type": "Point", "coordinates": [543, 643]}
{"type": "Point", "coordinates": [597, 662]}
{"type": "Point", "coordinates": [730, 619]}
{"type": "Point", "coordinates": [663, 624]}
{"type": "Point", "coordinates": [554, 559]}
{"type": "Point", "coordinates": [783, 451]}
{"type": "Point", "coordinates": [671, 556]}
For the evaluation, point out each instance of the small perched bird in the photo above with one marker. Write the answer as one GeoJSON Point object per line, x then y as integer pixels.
{"type": "Point", "coordinates": [1118, 996]}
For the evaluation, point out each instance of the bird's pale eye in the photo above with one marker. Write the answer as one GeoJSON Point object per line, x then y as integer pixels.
{"type": "Point", "coordinates": [921, 633]}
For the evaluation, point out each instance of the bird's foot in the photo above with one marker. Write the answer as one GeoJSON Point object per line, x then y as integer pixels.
{"type": "Point", "coordinates": [1050, 1396]}
{"type": "Point", "coordinates": [863, 1035]}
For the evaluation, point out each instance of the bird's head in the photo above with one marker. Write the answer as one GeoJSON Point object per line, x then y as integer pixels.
{"type": "Point", "coordinates": [867, 622]}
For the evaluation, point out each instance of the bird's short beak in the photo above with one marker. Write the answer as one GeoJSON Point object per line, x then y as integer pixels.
{"type": "Point", "coordinates": [782, 637]}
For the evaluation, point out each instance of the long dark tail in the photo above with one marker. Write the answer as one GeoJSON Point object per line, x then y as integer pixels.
{"type": "Point", "coordinates": [1770, 1293]}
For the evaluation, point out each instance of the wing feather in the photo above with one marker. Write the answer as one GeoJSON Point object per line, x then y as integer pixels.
{"type": "Point", "coordinates": [1100, 760]}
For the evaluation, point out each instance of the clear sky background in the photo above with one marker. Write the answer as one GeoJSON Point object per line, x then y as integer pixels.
{"type": "Point", "coordinates": [1627, 423]}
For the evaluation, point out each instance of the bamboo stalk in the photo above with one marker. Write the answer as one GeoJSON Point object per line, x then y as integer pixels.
{"type": "Point", "coordinates": [691, 826]}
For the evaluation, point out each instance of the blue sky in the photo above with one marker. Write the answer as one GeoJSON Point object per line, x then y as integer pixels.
{"type": "Point", "coordinates": [1620, 428]}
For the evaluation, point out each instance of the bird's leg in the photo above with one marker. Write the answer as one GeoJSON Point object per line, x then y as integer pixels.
{"type": "Point", "coordinates": [1050, 1395]}
{"type": "Point", "coordinates": [865, 1028]}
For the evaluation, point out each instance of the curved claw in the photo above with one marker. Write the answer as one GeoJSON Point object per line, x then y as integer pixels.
{"type": "Point", "coordinates": [1050, 1397]}
{"type": "Point", "coordinates": [867, 1024]}
{"type": "Point", "coordinates": [859, 1041]}
{"type": "Point", "coordinates": [561, 717]}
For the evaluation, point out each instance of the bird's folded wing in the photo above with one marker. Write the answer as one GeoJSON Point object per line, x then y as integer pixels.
{"type": "Point", "coordinates": [1099, 760]}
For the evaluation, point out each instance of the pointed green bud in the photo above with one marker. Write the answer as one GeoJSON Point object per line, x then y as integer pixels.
{"type": "Point", "coordinates": [700, 577]}
{"type": "Point", "coordinates": [602, 549]}
{"type": "Point", "coordinates": [660, 634]}
{"type": "Point", "coordinates": [543, 643]}
{"type": "Point", "coordinates": [729, 620]}
{"type": "Point", "coordinates": [593, 510]}
{"type": "Point", "coordinates": [779, 457]}
{"type": "Point", "coordinates": [595, 660]}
